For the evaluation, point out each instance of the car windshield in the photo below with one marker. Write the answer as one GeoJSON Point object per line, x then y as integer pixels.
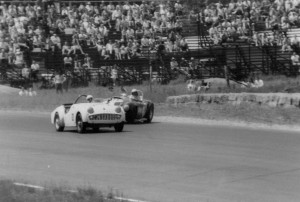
{"type": "Point", "coordinates": [81, 99]}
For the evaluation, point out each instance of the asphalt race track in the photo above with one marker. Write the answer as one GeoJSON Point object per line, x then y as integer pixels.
{"type": "Point", "coordinates": [163, 161]}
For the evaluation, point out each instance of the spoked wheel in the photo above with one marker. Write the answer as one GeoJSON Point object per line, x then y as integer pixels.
{"type": "Point", "coordinates": [81, 128]}
{"type": "Point", "coordinates": [119, 127]}
{"type": "Point", "coordinates": [57, 123]}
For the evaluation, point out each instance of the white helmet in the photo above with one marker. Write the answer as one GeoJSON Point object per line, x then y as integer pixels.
{"type": "Point", "coordinates": [134, 91]}
{"type": "Point", "coordinates": [89, 97]}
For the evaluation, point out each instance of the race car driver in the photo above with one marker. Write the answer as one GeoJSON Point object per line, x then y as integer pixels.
{"type": "Point", "coordinates": [89, 98]}
{"type": "Point", "coordinates": [135, 95]}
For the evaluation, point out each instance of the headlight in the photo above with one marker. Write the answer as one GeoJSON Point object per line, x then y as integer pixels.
{"type": "Point", "coordinates": [126, 108]}
{"type": "Point", "coordinates": [118, 110]}
{"type": "Point", "coordinates": [90, 110]}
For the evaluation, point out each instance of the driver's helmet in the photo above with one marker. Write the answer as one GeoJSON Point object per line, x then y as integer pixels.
{"type": "Point", "coordinates": [89, 98]}
{"type": "Point", "coordinates": [134, 92]}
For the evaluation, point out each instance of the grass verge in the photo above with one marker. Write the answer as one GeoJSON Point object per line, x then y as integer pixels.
{"type": "Point", "coordinates": [9, 192]}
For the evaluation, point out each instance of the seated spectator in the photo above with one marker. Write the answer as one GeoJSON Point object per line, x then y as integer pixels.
{"type": "Point", "coordinates": [295, 59]}
{"type": "Point", "coordinates": [110, 49]}
{"type": "Point", "coordinates": [66, 49]}
{"type": "Point", "coordinates": [174, 64]}
{"type": "Point", "coordinates": [23, 92]}
{"type": "Point", "coordinates": [76, 49]}
{"type": "Point", "coordinates": [19, 58]}
{"type": "Point", "coordinates": [25, 72]}
{"type": "Point", "coordinates": [183, 45]}
{"type": "Point", "coordinates": [294, 42]}
{"type": "Point", "coordinates": [286, 45]}
{"type": "Point", "coordinates": [68, 62]}
{"type": "Point", "coordinates": [144, 41]}
{"type": "Point", "coordinates": [258, 83]}
{"type": "Point", "coordinates": [31, 92]}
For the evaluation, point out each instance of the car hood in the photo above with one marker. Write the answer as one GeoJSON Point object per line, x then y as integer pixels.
{"type": "Point", "coordinates": [101, 108]}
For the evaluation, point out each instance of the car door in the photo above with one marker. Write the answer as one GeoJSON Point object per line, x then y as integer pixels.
{"type": "Point", "coordinates": [70, 119]}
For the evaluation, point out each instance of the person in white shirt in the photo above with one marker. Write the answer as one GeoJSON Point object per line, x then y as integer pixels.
{"type": "Point", "coordinates": [23, 92]}
{"type": "Point", "coordinates": [109, 48]}
{"type": "Point", "coordinates": [68, 62]}
{"type": "Point", "coordinates": [66, 49]}
{"type": "Point", "coordinates": [35, 67]}
{"type": "Point", "coordinates": [294, 42]}
{"type": "Point", "coordinates": [59, 79]}
{"type": "Point", "coordinates": [25, 72]}
{"type": "Point", "coordinates": [114, 75]}
{"type": "Point", "coordinates": [31, 92]}
{"type": "Point", "coordinates": [295, 59]}
{"type": "Point", "coordinates": [19, 59]}
{"type": "Point", "coordinates": [56, 40]}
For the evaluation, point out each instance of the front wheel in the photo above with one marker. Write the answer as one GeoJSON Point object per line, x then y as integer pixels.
{"type": "Point", "coordinates": [119, 127]}
{"type": "Point", "coordinates": [58, 125]}
{"type": "Point", "coordinates": [81, 127]}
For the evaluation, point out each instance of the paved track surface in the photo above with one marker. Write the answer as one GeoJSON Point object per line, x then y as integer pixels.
{"type": "Point", "coordinates": [163, 161]}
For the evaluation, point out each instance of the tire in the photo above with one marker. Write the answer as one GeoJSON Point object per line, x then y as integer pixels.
{"type": "Point", "coordinates": [57, 123]}
{"type": "Point", "coordinates": [81, 126]}
{"type": "Point", "coordinates": [150, 113]}
{"type": "Point", "coordinates": [119, 127]}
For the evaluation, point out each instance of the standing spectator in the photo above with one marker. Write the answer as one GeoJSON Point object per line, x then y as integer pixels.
{"type": "Point", "coordinates": [35, 67]}
{"type": "Point", "coordinates": [19, 58]}
{"type": "Point", "coordinates": [26, 75]}
{"type": "Point", "coordinates": [114, 75]}
{"type": "Point", "coordinates": [110, 49]}
{"type": "Point", "coordinates": [59, 79]}
{"type": "Point", "coordinates": [3, 62]}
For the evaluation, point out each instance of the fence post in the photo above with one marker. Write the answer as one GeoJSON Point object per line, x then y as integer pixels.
{"type": "Point", "coordinates": [150, 71]}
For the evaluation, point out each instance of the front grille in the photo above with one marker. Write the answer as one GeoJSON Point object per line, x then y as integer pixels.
{"type": "Point", "coordinates": [105, 117]}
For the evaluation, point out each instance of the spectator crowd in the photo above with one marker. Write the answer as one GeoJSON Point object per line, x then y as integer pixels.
{"type": "Point", "coordinates": [71, 29]}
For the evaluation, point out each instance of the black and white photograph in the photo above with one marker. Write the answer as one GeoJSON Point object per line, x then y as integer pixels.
{"type": "Point", "coordinates": [149, 100]}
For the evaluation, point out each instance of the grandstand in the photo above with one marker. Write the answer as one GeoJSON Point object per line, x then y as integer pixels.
{"type": "Point", "coordinates": [134, 35]}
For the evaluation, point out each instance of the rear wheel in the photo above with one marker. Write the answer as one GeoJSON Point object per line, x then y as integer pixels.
{"type": "Point", "coordinates": [81, 127]}
{"type": "Point", "coordinates": [58, 125]}
{"type": "Point", "coordinates": [150, 114]}
{"type": "Point", "coordinates": [119, 127]}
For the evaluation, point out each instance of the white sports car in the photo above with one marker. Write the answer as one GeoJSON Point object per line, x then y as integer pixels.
{"type": "Point", "coordinates": [83, 115]}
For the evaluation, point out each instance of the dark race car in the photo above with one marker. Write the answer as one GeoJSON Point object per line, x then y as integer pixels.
{"type": "Point", "coordinates": [135, 110]}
